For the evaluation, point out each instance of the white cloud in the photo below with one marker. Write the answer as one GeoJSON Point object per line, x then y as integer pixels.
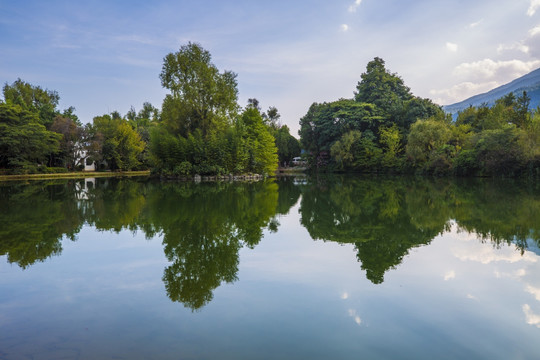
{"type": "Point", "coordinates": [461, 91]}
{"type": "Point", "coordinates": [535, 4]}
{"type": "Point", "coordinates": [355, 6]}
{"type": "Point", "coordinates": [531, 318]}
{"type": "Point", "coordinates": [533, 41]}
{"type": "Point", "coordinates": [344, 27]}
{"type": "Point", "coordinates": [519, 273]}
{"type": "Point", "coordinates": [534, 291]}
{"type": "Point", "coordinates": [475, 24]}
{"type": "Point", "coordinates": [451, 47]}
{"type": "Point", "coordinates": [486, 255]}
{"type": "Point", "coordinates": [519, 46]}
{"type": "Point", "coordinates": [354, 315]}
{"type": "Point", "coordinates": [490, 70]}
{"type": "Point", "coordinates": [450, 275]}
{"type": "Point", "coordinates": [534, 31]}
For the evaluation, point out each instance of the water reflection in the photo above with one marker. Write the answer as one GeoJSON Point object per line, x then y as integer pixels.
{"type": "Point", "coordinates": [385, 218]}
{"type": "Point", "coordinates": [203, 226]}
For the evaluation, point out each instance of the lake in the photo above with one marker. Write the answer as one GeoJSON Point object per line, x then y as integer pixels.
{"type": "Point", "coordinates": [329, 267]}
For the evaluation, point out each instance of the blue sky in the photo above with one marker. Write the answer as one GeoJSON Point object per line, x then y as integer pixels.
{"type": "Point", "coordinates": [103, 56]}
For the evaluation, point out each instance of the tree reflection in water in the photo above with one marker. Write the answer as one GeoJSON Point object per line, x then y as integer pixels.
{"type": "Point", "coordinates": [205, 225]}
{"type": "Point", "coordinates": [384, 218]}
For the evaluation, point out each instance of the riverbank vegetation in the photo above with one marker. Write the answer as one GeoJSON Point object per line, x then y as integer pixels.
{"type": "Point", "coordinates": [385, 129]}
{"type": "Point", "coordinates": [201, 129]}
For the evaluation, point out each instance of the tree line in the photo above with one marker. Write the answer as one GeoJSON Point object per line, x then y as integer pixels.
{"type": "Point", "coordinates": [384, 128]}
{"type": "Point", "coordinates": [200, 128]}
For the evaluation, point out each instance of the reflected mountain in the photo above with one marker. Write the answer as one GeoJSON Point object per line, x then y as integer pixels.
{"type": "Point", "coordinates": [384, 218]}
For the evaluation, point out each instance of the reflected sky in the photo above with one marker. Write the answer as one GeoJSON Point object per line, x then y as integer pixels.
{"type": "Point", "coordinates": [103, 295]}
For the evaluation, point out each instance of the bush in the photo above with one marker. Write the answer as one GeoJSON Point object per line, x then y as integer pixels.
{"type": "Point", "coordinates": [465, 163]}
{"type": "Point", "coordinates": [183, 169]}
{"type": "Point", "coordinates": [55, 170]}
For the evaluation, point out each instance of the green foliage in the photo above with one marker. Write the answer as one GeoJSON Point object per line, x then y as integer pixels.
{"type": "Point", "coordinates": [24, 141]}
{"type": "Point", "coordinates": [71, 144]}
{"type": "Point", "coordinates": [201, 97]}
{"type": "Point", "coordinates": [117, 143]}
{"type": "Point", "coordinates": [381, 88]}
{"type": "Point", "coordinates": [502, 140]}
{"type": "Point", "coordinates": [383, 110]}
{"type": "Point", "coordinates": [426, 139]}
{"type": "Point", "coordinates": [259, 143]}
{"type": "Point", "coordinates": [326, 123]}
{"type": "Point", "coordinates": [200, 125]}
{"type": "Point", "coordinates": [390, 139]}
{"type": "Point", "coordinates": [287, 145]}
{"type": "Point", "coordinates": [344, 150]}
{"type": "Point", "coordinates": [498, 152]}
{"type": "Point", "coordinates": [33, 99]}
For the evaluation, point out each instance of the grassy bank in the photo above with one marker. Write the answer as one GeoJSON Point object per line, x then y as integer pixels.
{"type": "Point", "coordinates": [75, 175]}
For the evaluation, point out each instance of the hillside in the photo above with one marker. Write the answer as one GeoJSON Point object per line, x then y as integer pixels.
{"type": "Point", "coordinates": [529, 82]}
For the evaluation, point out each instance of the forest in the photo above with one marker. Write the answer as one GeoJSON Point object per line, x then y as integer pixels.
{"type": "Point", "coordinates": [386, 129]}
{"type": "Point", "coordinates": [201, 129]}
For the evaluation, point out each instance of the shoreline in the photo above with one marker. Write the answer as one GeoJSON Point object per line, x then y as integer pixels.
{"type": "Point", "coordinates": [74, 175]}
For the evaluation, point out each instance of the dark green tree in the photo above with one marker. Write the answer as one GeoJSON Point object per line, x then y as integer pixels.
{"type": "Point", "coordinates": [24, 140]}
{"type": "Point", "coordinates": [381, 88]}
{"type": "Point", "coordinates": [34, 99]}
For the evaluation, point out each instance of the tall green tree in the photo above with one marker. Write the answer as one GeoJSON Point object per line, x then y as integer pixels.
{"type": "Point", "coordinates": [118, 144]}
{"type": "Point", "coordinates": [261, 149]}
{"type": "Point", "coordinates": [201, 97]}
{"type": "Point", "coordinates": [382, 88]}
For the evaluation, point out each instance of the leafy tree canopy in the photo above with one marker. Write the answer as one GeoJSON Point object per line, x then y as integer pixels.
{"type": "Point", "coordinates": [201, 97]}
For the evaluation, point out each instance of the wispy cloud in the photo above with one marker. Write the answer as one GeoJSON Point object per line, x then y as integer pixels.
{"type": "Point", "coordinates": [534, 31]}
{"type": "Point", "coordinates": [535, 4]}
{"type": "Point", "coordinates": [461, 91]}
{"type": "Point", "coordinates": [519, 46]}
{"type": "Point", "coordinates": [534, 291]}
{"type": "Point", "coordinates": [451, 47]}
{"type": "Point", "coordinates": [491, 70]}
{"type": "Point", "coordinates": [450, 275]}
{"type": "Point", "coordinates": [354, 315]}
{"type": "Point", "coordinates": [354, 6]}
{"type": "Point", "coordinates": [475, 24]}
{"type": "Point", "coordinates": [530, 317]}
{"type": "Point", "coordinates": [487, 255]}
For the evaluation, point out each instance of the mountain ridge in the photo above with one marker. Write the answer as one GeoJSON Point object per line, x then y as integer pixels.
{"type": "Point", "coordinates": [529, 82]}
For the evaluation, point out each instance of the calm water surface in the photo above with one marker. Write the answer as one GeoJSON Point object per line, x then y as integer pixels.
{"type": "Point", "coordinates": [312, 268]}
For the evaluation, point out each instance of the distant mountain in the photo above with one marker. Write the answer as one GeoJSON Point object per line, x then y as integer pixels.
{"type": "Point", "coordinates": [529, 83]}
